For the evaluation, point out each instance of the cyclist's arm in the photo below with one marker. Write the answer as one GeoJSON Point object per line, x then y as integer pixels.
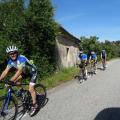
{"type": "Point", "coordinates": [4, 73]}
{"type": "Point", "coordinates": [17, 74]}
{"type": "Point", "coordinates": [19, 71]}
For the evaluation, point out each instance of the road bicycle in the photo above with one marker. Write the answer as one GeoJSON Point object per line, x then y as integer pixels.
{"type": "Point", "coordinates": [82, 74]}
{"type": "Point", "coordinates": [93, 67]}
{"type": "Point", "coordinates": [11, 100]}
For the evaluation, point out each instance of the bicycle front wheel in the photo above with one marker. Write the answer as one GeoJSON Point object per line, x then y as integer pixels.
{"type": "Point", "coordinates": [8, 109]}
{"type": "Point", "coordinates": [41, 93]}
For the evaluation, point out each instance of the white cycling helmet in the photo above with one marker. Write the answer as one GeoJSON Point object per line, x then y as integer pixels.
{"type": "Point", "coordinates": [11, 49]}
{"type": "Point", "coordinates": [92, 52]}
{"type": "Point", "coordinates": [81, 52]}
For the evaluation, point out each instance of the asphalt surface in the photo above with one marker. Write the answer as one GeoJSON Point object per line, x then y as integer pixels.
{"type": "Point", "coordinates": [98, 98]}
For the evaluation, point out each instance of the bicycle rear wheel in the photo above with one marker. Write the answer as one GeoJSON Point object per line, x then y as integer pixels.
{"type": "Point", "coordinates": [8, 109]}
{"type": "Point", "coordinates": [41, 93]}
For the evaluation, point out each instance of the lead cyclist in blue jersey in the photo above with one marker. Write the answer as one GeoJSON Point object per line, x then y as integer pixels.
{"type": "Point", "coordinates": [23, 69]}
{"type": "Point", "coordinates": [83, 64]}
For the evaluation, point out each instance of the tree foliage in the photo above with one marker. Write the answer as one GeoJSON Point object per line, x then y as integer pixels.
{"type": "Point", "coordinates": [32, 29]}
{"type": "Point", "coordinates": [112, 48]}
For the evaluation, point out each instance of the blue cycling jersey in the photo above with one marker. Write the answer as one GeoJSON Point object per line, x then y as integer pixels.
{"type": "Point", "coordinates": [22, 63]}
{"type": "Point", "coordinates": [83, 57]}
{"type": "Point", "coordinates": [93, 56]}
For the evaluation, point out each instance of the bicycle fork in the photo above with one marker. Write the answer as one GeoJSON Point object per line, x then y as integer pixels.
{"type": "Point", "coordinates": [6, 102]}
{"type": "Point", "coordinates": [84, 72]}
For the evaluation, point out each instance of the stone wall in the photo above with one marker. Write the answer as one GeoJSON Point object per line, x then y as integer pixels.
{"type": "Point", "coordinates": [66, 52]}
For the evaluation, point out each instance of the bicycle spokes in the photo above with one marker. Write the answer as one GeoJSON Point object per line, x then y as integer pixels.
{"type": "Point", "coordinates": [8, 109]}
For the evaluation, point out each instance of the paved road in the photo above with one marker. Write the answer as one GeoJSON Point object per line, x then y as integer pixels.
{"type": "Point", "coordinates": [98, 98]}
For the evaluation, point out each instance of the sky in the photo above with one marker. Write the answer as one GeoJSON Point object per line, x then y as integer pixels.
{"type": "Point", "coordinates": [87, 18]}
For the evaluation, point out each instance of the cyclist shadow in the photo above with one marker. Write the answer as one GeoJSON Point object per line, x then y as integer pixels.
{"type": "Point", "coordinates": [41, 101]}
{"type": "Point", "coordinates": [109, 114]}
{"type": "Point", "coordinates": [100, 68]}
{"type": "Point", "coordinates": [91, 73]}
{"type": "Point", "coordinates": [79, 78]}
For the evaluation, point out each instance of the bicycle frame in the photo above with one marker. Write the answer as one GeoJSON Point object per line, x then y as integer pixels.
{"type": "Point", "coordinates": [83, 69]}
{"type": "Point", "coordinates": [93, 64]}
{"type": "Point", "coordinates": [7, 99]}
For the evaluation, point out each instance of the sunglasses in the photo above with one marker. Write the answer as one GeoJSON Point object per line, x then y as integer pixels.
{"type": "Point", "coordinates": [13, 53]}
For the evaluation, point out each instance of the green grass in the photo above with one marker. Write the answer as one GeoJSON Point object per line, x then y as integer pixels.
{"type": "Point", "coordinates": [60, 77]}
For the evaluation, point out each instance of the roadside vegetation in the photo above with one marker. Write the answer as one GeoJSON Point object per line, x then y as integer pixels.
{"type": "Point", "coordinates": [61, 76]}
{"type": "Point", "coordinates": [92, 43]}
{"type": "Point", "coordinates": [32, 28]}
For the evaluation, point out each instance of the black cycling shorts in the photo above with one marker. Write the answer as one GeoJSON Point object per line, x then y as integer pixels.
{"type": "Point", "coordinates": [103, 57]}
{"type": "Point", "coordinates": [33, 76]}
{"type": "Point", "coordinates": [83, 64]}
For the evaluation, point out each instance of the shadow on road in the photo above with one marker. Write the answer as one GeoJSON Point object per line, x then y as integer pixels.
{"type": "Point", "coordinates": [42, 101]}
{"type": "Point", "coordinates": [91, 73]}
{"type": "Point", "coordinates": [99, 68]}
{"type": "Point", "coordinates": [79, 78]}
{"type": "Point", "coordinates": [109, 114]}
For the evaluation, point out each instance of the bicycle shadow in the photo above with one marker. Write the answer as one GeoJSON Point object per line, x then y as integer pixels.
{"type": "Point", "coordinates": [91, 73]}
{"type": "Point", "coordinates": [109, 114]}
{"type": "Point", "coordinates": [41, 101]}
{"type": "Point", "coordinates": [79, 78]}
{"type": "Point", "coordinates": [101, 68]}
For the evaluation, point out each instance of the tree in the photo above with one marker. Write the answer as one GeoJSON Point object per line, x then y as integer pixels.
{"type": "Point", "coordinates": [32, 29]}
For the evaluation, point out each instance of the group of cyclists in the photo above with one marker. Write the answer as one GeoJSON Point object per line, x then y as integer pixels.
{"type": "Point", "coordinates": [91, 59]}
{"type": "Point", "coordinates": [24, 68]}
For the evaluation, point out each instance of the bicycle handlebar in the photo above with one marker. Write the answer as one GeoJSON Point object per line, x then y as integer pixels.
{"type": "Point", "coordinates": [15, 84]}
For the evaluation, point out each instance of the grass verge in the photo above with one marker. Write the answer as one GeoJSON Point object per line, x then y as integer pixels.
{"type": "Point", "coordinates": [59, 77]}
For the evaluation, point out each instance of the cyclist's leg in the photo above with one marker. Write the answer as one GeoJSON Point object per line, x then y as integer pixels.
{"type": "Point", "coordinates": [95, 66]}
{"type": "Point", "coordinates": [81, 67]}
{"type": "Point", "coordinates": [31, 87]}
{"type": "Point", "coordinates": [85, 70]}
{"type": "Point", "coordinates": [33, 93]}
{"type": "Point", "coordinates": [104, 63]}
{"type": "Point", "coordinates": [92, 66]}
{"type": "Point", "coordinates": [82, 71]}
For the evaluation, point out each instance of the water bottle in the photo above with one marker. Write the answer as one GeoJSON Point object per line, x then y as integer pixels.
{"type": "Point", "coordinates": [20, 92]}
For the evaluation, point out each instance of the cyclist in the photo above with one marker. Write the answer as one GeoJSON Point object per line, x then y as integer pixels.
{"type": "Point", "coordinates": [93, 58]}
{"type": "Point", "coordinates": [23, 69]}
{"type": "Point", "coordinates": [83, 64]}
{"type": "Point", "coordinates": [103, 58]}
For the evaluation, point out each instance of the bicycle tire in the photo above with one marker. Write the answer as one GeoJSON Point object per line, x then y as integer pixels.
{"type": "Point", "coordinates": [9, 113]}
{"type": "Point", "coordinates": [41, 93]}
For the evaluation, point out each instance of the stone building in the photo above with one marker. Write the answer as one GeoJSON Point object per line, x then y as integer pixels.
{"type": "Point", "coordinates": [67, 49]}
